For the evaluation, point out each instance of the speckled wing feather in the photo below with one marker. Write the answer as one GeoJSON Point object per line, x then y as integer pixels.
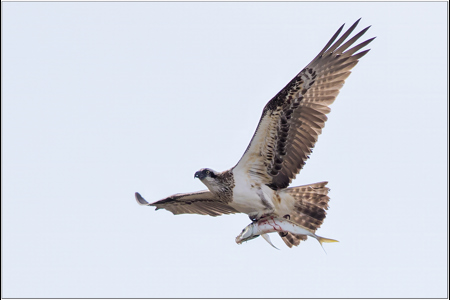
{"type": "Point", "coordinates": [292, 120]}
{"type": "Point", "coordinates": [202, 203]}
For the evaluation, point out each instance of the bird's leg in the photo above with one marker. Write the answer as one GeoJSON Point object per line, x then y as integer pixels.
{"type": "Point", "coordinates": [266, 214]}
{"type": "Point", "coordinates": [253, 217]}
{"type": "Point", "coordinates": [267, 203]}
{"type": "Point", "coordinates": [261, 215]}
{"type": "Point", "coordinates": [285, 233]}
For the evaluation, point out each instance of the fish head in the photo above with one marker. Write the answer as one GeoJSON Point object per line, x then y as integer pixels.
{"type": "Point", "coordinates": [246, 234]}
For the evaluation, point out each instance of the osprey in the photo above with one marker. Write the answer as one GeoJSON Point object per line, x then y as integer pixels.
{"type": "Point", "coordinates": [286, 134]}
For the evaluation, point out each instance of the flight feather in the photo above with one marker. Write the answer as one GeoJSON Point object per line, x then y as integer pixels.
{"type": "Point", "coordinates": [201, 202]}
{"type": "Point", "coordinates": [292, 121]}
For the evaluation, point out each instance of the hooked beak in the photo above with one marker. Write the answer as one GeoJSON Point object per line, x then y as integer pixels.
{"type": "Point", "coordinates": [199, 175]}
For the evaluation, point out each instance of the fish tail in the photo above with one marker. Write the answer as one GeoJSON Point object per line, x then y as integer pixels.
{"type": "Point", "coordinates": [322, 240]}
{"type": "Point", "coordinates": [326, 240]}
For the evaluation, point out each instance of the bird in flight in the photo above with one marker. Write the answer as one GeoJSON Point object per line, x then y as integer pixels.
{"type": "Point", "coordinates": [291, 122]}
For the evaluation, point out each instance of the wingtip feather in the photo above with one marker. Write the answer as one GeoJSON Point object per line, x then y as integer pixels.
{"type": "Point", "coordinates": [139, 199]}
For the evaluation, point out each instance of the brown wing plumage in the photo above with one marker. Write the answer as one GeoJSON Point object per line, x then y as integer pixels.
{"type": "Point", "coordinates": [292, 120]}
{"type": "Point", "coordinates": [202, 203]}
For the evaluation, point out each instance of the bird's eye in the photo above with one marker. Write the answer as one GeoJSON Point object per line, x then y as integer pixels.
{"type": "Point", "coordinates": [207, 172]}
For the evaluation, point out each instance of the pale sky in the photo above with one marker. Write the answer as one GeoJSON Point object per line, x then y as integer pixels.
{"type": "Point", "coordinates": [101, 100]}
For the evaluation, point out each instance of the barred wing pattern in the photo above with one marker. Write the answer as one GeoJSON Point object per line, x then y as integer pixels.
{"type": "Point", "coordinates": [292, 120]}
{"type": "Point", "coordinates": [201, 202]}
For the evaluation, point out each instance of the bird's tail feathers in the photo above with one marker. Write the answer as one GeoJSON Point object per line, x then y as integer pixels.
{"type": "Point", "coordinates": [315, 194]}
{"type": "Point", "coordinates": [308, 210]}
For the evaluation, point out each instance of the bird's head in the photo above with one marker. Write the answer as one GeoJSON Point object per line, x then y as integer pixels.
{"type": "Point", "coordinates": [205, 174]}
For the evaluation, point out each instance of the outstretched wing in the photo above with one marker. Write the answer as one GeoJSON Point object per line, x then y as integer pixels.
{"type": "Point", "coordinates": [202, 203]}
{"type": "Point", "coordinates": [293, 120]}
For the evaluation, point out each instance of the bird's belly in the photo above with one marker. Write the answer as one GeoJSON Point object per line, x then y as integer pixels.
{"type": "Point", "coordinates": [247, 199]}
{"type": "Point", "coordinates": [247, 205]}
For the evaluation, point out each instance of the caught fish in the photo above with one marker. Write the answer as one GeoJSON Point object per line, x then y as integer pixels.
{"type": "Point", "coordinates": [273, 224]}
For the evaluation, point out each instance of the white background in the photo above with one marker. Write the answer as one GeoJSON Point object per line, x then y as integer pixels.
{"type": "Point", "coordinates": [100, 100]}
